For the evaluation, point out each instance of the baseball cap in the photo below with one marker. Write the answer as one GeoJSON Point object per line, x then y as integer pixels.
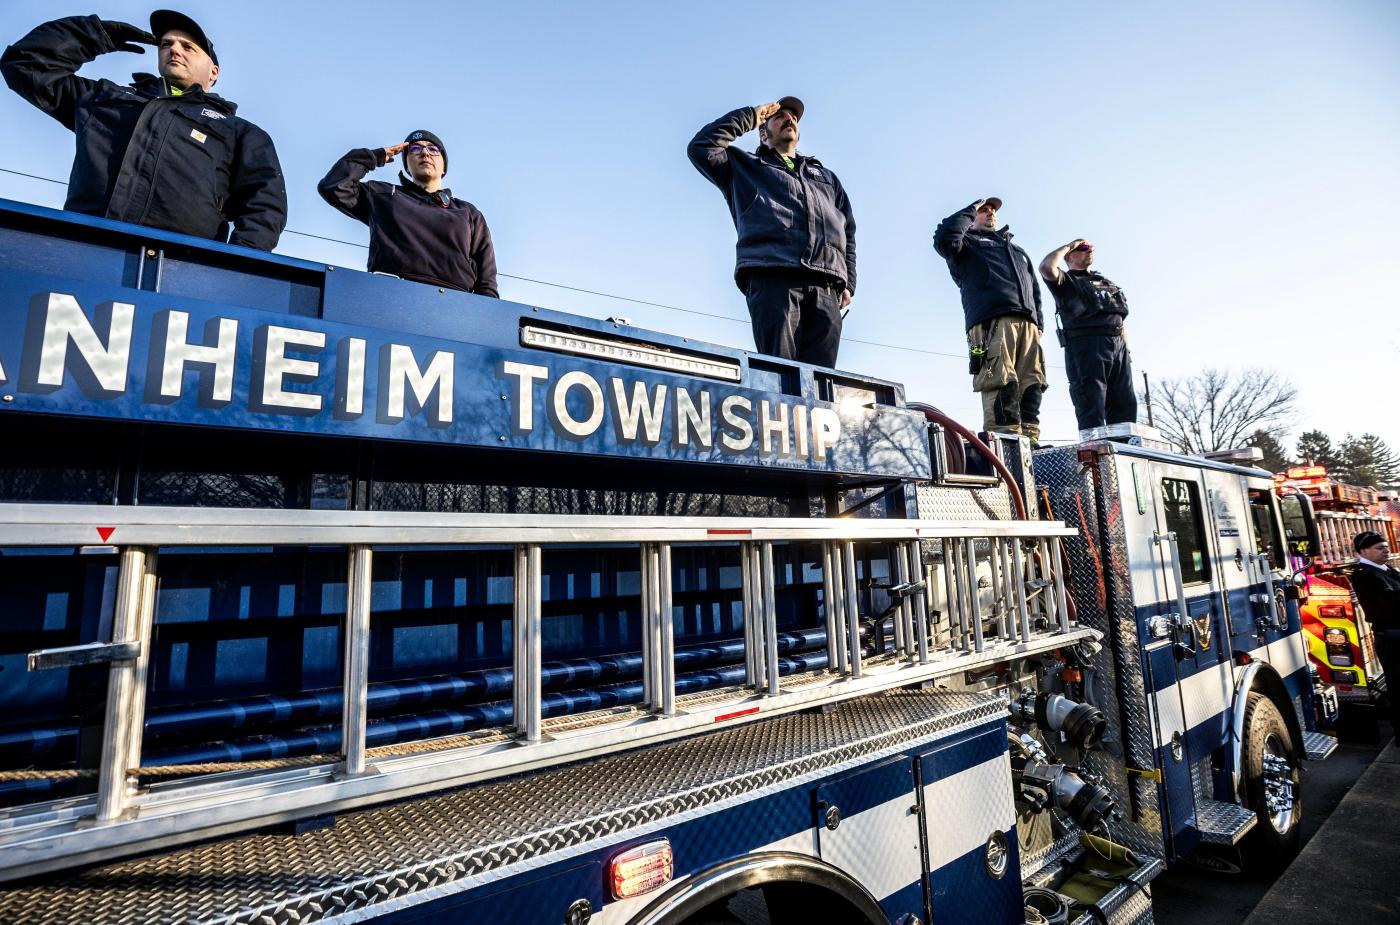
{"type": "Point", "coordinates": [993, 201]}
{"type": "Point", "coordinates": [162, 21]}
{"type": "Point", "coordinates": [793, 105]}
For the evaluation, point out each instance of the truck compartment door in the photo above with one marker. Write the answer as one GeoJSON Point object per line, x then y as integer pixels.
{"type": "Point", "coordinates": [969, 830]}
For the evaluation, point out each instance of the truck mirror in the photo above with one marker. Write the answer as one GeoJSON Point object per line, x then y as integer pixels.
{"type": "Point", "coordinates": [1299, 525]}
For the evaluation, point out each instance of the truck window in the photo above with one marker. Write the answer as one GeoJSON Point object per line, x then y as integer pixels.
{"type": "Point", "coordinates": [1266, 532]}
{"type": "Point", "coordinates": [1181, 502]}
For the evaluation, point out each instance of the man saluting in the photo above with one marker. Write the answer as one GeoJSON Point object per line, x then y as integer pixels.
{"type": "Point", "coordinates": [164, 151]}
{"type": "Point", "coordinates": [797, 239]}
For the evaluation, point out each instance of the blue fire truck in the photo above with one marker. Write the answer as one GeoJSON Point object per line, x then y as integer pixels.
{"type": "Point", "coordinates": [331, 597]}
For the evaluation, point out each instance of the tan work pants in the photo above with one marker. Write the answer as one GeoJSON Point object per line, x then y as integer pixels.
{"type": "Point", "coordinates": [1012, 376]}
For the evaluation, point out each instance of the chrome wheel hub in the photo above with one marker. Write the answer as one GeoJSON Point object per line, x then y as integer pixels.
{"type": "Point", "coordinates": [1279, 794]}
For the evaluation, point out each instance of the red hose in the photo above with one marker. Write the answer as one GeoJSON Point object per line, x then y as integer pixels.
{"type": "Point", "coordinates": [1017, 499]}
{"type": "Point", "coordinates": [938, 417]}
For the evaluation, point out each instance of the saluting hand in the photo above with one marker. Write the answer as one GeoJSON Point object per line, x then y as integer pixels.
{"type": "Point", "coordinates": [766, 111]}
{"type": "Point", "coordinates": [125, 36]}
{"type": "Point", "coordinates": [1075, 243]}
{"type": "Point", "coordinates": [392, 150]}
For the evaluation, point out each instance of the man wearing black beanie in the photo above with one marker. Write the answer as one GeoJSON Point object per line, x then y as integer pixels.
{"type": "Point", "coordinates": [417, 230]}
{"type": "Point", "coordinates": [1377, 586]}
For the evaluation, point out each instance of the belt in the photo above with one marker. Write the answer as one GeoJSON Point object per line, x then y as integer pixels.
{"type": "Point", "coordinates": [1095, 331]}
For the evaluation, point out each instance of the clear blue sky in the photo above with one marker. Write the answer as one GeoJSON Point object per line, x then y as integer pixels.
{"type": "Point", "coordinates": [1236, 164]}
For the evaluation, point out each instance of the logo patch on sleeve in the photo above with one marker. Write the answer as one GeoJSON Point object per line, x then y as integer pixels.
{"type": "Point", "coordinates": [197, 135]}
{"type": "Point", "coordinates": [211, 114]}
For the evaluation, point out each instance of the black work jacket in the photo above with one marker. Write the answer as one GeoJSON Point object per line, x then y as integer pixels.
{"type": "Point", "coordinates": [182, 163]}
{"type": "Point", "coordinates": [1378, 590]}
{"type": "Point", "coordinates": [787, 218]}
{"type": "Point", "coordinates": [422, 236]}
{"type": "Point", "coordinates": [994, 276]}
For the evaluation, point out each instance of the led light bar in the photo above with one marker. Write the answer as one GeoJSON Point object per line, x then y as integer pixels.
{"type": "Point", "coordinates": [621, 351]}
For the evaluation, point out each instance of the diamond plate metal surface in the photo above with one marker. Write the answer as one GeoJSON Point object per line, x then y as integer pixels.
{"type": "Point", "coordinates": [1223, 823]}
{"type": "Point", "coordinates": [940, 502]}
{"type": "Point", "coordinates": [1101, 584]}
{"type": "Point", "coordinates": [493, 830]}
{"type": "Point", "coordinates": [1319, 746]}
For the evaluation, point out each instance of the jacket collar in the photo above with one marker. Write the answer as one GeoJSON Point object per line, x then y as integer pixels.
{"type": "Point", "coordinates": [798, 158]}
{"type": "Point", "coordinates": [152, 85]}
{"type": "Point", "coordinates": [1004, 232]}
{"type": "Point", "coordinates": [408, 185]}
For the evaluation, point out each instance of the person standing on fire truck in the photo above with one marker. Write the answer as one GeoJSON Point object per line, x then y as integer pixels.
{"type": "Point", "coordinates": [1377, 587]}
{"type": "Point", "coordinates": [1001, 311]}
{"type": "Point", "coordinates": [417, 230]}
{"type": "Point", "coordinates": [1091, 309]}
{"type": "Point", "coordinates": [163, 151]}
{"type": "Point", "coordinates": [796, 260]}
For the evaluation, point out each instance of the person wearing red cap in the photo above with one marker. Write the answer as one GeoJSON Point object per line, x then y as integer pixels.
{"type": "Point", "coordinates": [1090, 309]}
{"type": "Point", "coordinates": [1377, 586]}
{"type": "Point", "coordinates": [163, 152]}
{"type": "Point", "coordinates": [796, 254]}
{"type": "Point", "coordinates": [417, 230]}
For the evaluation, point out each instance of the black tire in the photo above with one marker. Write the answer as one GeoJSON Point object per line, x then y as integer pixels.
{"type": "Point", "coordinates": [1272, 787]}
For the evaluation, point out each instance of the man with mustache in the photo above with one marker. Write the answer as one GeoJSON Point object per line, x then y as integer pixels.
{"type": "Point", "coordinates": [164, 151]}
{"type": "Point", "coordinates": [796, 260]}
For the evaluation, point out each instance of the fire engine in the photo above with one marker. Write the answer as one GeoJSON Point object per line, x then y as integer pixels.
{"type": "Point", "coordinates": [1340, 642]}
{"type": "Point", "coordinates": [332, 597]}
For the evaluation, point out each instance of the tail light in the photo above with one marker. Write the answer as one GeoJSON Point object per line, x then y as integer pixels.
{"type": "Point", "coordinates": [641, 869]}
{"type": "Point", "coordinates": [1338, 646]}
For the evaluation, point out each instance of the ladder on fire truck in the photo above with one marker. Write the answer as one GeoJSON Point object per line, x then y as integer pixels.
{"type": "Point", "coordinates": [968, 595]}
{"type": "Point", "coordinates": [1338, 529]}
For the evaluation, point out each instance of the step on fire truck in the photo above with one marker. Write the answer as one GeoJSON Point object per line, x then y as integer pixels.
{"type": "Point", "coordinates": [1339, 638]}
{"type": "Point", "coordinates": [330, 597]}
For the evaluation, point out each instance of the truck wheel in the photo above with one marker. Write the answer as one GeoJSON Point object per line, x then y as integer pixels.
{"type": "Point", "coordinates": [1272, 786]}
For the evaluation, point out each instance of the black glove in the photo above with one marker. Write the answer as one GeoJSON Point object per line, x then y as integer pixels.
{"type": "Point", "coordinates": [125, 36]}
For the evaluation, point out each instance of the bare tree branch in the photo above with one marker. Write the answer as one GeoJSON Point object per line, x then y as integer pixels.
{"type": "Point", "coordinates": [1219, 409]}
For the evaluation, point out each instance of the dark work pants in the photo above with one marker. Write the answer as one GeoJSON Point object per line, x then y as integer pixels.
{"type": "Point", "coordinates": [1387, 643]}
{"type": "Point", "coordinates": [1100, 380]}
{"type": "Point", "coordinates": [796, 316]}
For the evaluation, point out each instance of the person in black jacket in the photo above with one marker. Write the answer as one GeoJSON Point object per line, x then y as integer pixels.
{"type": "Point", "coordinates": [1377, 587]}
{"type": "Point", "coordinates": [1001, 309]}
{"type": "Point", "coordinates": [1091, 309]}
{"type": "Point", "coordinates": [796, 255]}
{"type": "Point", "coordinates": [416, 229]}
{"type": "Point", "coordinates": [163, 152]}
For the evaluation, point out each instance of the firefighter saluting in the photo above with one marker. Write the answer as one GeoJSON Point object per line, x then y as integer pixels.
{"type": "Point", "coordinates": [164, 151]}
{"type": "Point", "coordinates": [1091, 308]}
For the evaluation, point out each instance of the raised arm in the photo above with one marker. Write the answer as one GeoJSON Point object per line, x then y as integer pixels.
{"type": "Point", "coordinates": [43, 66]}
{"type": "Point", "coordinates": [257, 202]}
{"type": "Point", "coordinates": [709, 149]}
{"type": "Point", "coordinates": [948, 236]}
{"type": "Point", "coordinates": [341, 185]}
{"type": "Point", "coordinates": [1050, 266]}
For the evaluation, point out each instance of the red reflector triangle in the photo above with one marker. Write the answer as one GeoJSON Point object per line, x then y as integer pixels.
{"type": "Point", "coordinates": [106, 532]}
